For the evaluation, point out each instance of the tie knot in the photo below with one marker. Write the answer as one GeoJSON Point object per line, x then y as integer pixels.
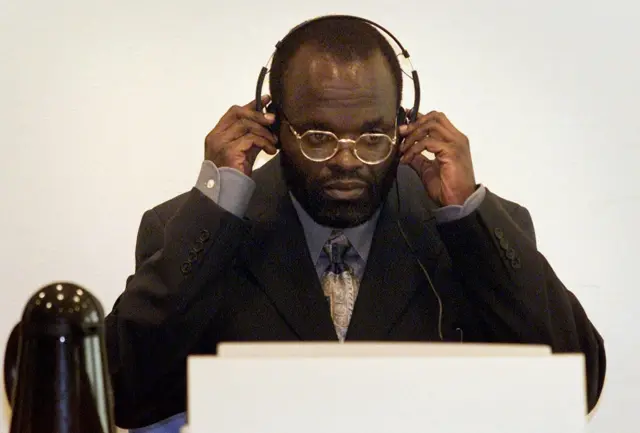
{"type": "Point", "coordinates": [336, 247]}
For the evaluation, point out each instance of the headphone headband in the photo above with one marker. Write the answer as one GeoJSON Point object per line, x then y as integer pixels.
{"type": "Point", "coordinates": [405, 53]}
{"type": "Point", "coordinates": [414, 74]}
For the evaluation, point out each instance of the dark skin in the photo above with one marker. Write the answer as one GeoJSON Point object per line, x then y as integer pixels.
{"type": "Point", "coordinates": [348, 99]}
{"type": "Point", "coordinates": [449, 178]}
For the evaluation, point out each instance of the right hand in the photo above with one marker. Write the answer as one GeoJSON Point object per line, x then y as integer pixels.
{"type": "Point", "coordinates": [239, 136]}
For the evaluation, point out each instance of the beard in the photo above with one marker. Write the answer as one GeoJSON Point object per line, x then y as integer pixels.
{"type": "Point", "coordinates": [331, 212]}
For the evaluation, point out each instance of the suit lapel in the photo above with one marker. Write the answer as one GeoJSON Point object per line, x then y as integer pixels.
{"type": "Point", "coordinates": [279, 260]}
{"type": "Point", "coordinates": [278, 257]}
{"type": "Point", "coordinates": [392, 274]}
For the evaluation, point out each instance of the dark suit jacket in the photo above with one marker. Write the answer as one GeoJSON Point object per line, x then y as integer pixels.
{"type": "Point", "coordinates": [204, 276]}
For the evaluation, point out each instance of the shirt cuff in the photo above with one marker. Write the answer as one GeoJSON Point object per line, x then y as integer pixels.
{"type": "Point", "coordinates": [456, 212]}
{"type": "Point", "coordinates": [229, 188]}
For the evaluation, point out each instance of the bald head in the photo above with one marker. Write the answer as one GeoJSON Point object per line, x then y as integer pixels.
{"type": "Point", "coordinates": [338, 94]}
{"type": "Point", "coordinates": [345, 41]}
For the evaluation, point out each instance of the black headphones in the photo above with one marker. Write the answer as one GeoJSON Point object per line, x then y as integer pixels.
{"type": "Point", "coordinates": [403, 116]}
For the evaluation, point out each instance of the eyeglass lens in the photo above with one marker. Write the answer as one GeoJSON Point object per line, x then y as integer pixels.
{"type": "Point", "coordinates": [320, 145]}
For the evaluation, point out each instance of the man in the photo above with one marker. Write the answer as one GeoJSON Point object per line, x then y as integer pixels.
{"type": "Point", "coordinates": [349, 233]}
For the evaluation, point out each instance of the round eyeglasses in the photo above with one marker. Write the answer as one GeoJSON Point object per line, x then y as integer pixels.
{"type": "Point", "coordinates": [320, 146]}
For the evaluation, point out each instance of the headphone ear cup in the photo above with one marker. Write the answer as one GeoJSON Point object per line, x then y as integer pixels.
{"type": "Point", "coordinates": [402, 116]}
{"type": "Point", "coordinates": [275, 126]}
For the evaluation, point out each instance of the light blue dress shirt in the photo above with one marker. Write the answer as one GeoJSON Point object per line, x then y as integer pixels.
{"type": "Point", "coordinates": [232, 190]}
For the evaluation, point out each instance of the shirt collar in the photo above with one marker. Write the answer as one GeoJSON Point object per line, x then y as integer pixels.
{"type": "Point", "coordinates": [316, 235]}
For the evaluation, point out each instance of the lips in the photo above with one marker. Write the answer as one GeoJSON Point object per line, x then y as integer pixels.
{"type": "Point", "coordinates": [345, 189]}
{"type": "Point", "coordinates": [345, 184]}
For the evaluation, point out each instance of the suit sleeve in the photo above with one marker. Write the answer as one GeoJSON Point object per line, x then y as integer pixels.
{"type": "Point", "coordinates": [522, 218]}
{"type": "Point", "coordinates": [168, 304]}
{"type": "Point", "coordinates": [513, 291]}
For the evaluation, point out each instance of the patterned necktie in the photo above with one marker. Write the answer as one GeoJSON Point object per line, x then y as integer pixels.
{"type": "Point", "coordinates": [339, 283]}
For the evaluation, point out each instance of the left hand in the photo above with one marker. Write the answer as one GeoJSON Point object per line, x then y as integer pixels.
{"type": "Point", "coordinates": [449, 178]}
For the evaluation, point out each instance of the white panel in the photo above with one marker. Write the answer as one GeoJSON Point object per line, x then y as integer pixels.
{"type": "Point", "coordinates": [383, 394]}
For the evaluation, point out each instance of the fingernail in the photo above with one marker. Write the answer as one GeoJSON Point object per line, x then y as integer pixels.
{"type": "Point", "coordinates": [270, 117]}
{"type": "Point", "coordinates": [403, 129]}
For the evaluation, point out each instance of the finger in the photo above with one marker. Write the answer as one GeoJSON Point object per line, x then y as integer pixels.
{"type": "Point", "coordinates": [421, 119]}
{"type": "Point", "coordinates": [429, 129]}
{"type": "Point", "coordinates": [411, 151]}
{"type": "Point", "coordinates": [248, 141]}
{"type": "Point", "coordinates": [247, 112]}
{"type": "Point", "coordinates": [430, 116]}
{"type": "Point", "coordinates": [429, 144]}
{"type": "Point", "coordinates": [245, 126]}
{"type": "Point", "coordinates": [444, 121]}
{"type": "Point", "coordinates": [251, 114]}
{"type": "Point", "coordinates": [250, 159]}
{"type": "Point", "coordinates": [408, 128]}
{"type": "Point", "coordinates": [264, 99]}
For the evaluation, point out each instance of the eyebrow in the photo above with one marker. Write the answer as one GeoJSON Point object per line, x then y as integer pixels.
{"type": "Point", "coordinates": [366, 126]}
{"type": "Point", "coordinates": [372, 124]}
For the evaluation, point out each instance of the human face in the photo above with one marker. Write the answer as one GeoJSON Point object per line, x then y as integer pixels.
{"type": "Point", "coordinates": [348, 99]}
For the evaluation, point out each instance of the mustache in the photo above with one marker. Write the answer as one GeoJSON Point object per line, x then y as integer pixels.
{"type": "Point", "coordinates": [351, 177]}
{"type": "Point", "coordinates": [370, 183]}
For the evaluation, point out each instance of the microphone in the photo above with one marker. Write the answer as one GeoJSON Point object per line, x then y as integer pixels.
{"type": "Point", "coordinates": [56, 376]}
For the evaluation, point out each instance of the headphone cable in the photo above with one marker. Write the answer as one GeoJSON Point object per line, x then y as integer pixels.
{"type": "Point", "coordinates": [424, 270]}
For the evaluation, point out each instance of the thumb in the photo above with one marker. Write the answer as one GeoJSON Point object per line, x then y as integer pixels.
{"type": "Point", "coordinates": [252, 154]}
{"type": "Point", "coordinates": [425, 168]}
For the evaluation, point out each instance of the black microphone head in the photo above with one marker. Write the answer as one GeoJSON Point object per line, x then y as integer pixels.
{"type": "Point", "coordinates": [58, 371]}
{"type": "Point", "coordinates": [62, 309]}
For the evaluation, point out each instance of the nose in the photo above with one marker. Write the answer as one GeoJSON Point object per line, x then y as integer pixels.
{"type": "Point", "coordinates": [345, 159]}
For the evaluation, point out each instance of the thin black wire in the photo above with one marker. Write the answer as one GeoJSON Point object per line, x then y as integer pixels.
{"type": "Point", "coordinates": [424, 270]}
